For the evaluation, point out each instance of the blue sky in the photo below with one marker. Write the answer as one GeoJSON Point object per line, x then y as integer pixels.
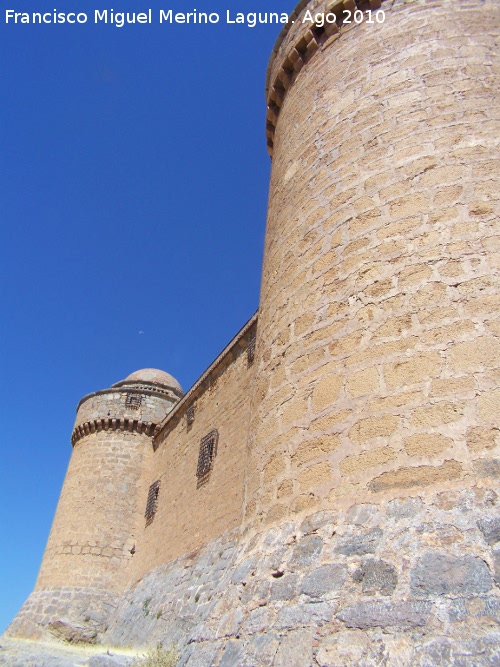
{"type": "Point", "coordinates": [133, 192]}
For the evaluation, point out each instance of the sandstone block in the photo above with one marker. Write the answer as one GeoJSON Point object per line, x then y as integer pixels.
{"type": "Point", "coordinates": [426, 444]}
{"type": "Point", "coordinates": [479, 438]}
{"type": "Point", "coordinates": [416, 476]}
{"type": "Point", "coordinates": [315, 475]}
{"type": "Point", "coordinates": [488, 405]}
{"type": "Point", "coordinates": [375, 457]}
{"type": "Point", "coordinates": [419, 368]}
{"type": "Point", "coordinates": [326, 392]}
{"type": "Point", "coordinates": [374, 427]}
{"type": "Point", "coordinates": [437, 414]}
{"type": "Point", "coordinates": [311, 449]}
{"type": "Point", "coordinates": [472, 355]}
{"type": "Point", "coordinates": [363, 382]}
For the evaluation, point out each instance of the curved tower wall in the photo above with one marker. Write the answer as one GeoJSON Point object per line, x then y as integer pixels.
{"type": "Point", "coordinates": [377, 340]}
{"type": "Point", "coordinates": [91, 543]}
{"type": "Point", "coordinates": [88, 559]}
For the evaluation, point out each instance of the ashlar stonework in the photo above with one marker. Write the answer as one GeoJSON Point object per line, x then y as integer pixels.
{"type": "Point", "coordinates": [348, 514]}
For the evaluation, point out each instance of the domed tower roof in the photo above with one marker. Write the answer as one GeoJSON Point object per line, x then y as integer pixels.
{"type": "Point", "coordinates": [151, 375]}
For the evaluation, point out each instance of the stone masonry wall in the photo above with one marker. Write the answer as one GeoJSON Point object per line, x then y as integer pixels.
{"type": "Point", "coordinates": [397, 584]}
{"type": "Point", "coordinates": [368, 423]}
{"type": "Point", "coordinates": [187, 516]}
{"type": "Point", "coordinates": [378, 345]}
{"type": "Point", "coordinates": [96, 522]}
{"type": "Point", "coordinates": [112, 404]}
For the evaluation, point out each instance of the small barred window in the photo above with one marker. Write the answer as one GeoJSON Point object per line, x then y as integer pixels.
{"type": "Point", "coordinates": [190, 415]}
{"type": "Point", "coordinates": [208, 452]}
{"type": "Point", "coordinates": [251, 350]}
{"type": "Point", "coordinates": [133, 401]}
{"type": "Point", "coordinates": [152, 502]}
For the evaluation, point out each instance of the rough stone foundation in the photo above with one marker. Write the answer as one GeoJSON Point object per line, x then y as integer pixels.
{"type": "Point", "coordinates": [412, 581]}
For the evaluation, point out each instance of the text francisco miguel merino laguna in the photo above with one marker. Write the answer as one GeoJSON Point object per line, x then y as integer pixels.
{"type": "Point", "coordinates": [120, 19]}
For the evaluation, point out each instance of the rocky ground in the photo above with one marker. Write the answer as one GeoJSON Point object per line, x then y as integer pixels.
{"type": "Point", "coordinates": [24, 653]}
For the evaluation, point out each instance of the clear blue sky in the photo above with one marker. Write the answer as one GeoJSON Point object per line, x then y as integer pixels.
{"type": "Point", "coordinates": [133, 194]}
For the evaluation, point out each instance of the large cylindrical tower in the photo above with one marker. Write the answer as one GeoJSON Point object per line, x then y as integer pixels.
{"type": "Point", "coordinates": [100, 513]}
{"type": "Point", "coordinates": [378, 334]}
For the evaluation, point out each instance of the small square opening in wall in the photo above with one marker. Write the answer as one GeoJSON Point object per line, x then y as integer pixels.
{"type": "Point", "coordinates": [152, 502]}
{"type": "Point", "coordinates": [208, 452]}
{"type": "Point", "coordinates": [133, 401]}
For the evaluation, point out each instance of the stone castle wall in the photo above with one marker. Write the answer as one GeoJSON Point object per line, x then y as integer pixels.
{"type": "Point", "coordinates": [378, 348]}
{"type": "Point", "coordinates": [190, 514]}
{"type": "Point", "coordinates": [351, 513]}
{"type": "Point", "coordinates": [97, 519]}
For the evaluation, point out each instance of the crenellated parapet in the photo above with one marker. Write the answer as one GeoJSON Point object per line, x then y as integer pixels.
{"type": "Point", "coordinates": [311, 26]}
{"type": "Point", "coordinates": [134, 405]}
{"type": "Point", "coordinates": [107, 424]}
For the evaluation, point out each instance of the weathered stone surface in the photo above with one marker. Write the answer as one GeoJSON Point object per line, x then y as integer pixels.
{"type": "Point", "coordinates": [404, 508]}
{"type": "Point", "coordinates": [487, 468]}
{"type": "Point", "coordinates": [359, 545]}
{"type": "Point", "coordinates": [230, 623]}
{"type": "Point", "coordinates": [349, 647]}
{"type": "Point", "coordinates": [73, 632]}
{"type": "Point", "coordinates": [21, 653]}
{"type": "Point", "coordinates": [384, 614]}
{"type": "Point", "coordinates": [323, 580]}
{"type": "Point", "coordinates": [490, 528]}
{"type": "Point", "coordinates": [316, 521]}
{"type": "Point", "coordinates": [103, 661]}
{"type": "Point", "coordinates": [232, 655]}
{"type": "Point", "coordinates": [243, 571]}
{"type": "Point", "coordinates": [496, 565]}
{"type": "Point", "coordinates": [285, 588]}
{"type": "Point", "coordinates": [442, 574]}
{"type": "Point", "coordinates": [377, 576]}
{"type": "Point", "coordinates": [307, 550]}
{"type": "Point", "coordinates": [261, 650]}
{"type": "Point", "coordinates": [200, 655]}
{"type": "Point", "coordinates": [459, 652]}
{"type": "Point", "coordinates": [304, 614]}
{"type": "Point", "coordinates": [359, 515]}
{"type": "Point", "coordinates": [258, 620]}
{"type": "Point", "coordinates": [491, 608]}
{"type": "Point", "coordinates": [295, 650]}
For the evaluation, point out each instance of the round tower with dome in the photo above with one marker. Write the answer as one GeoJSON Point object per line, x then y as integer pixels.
{"type": "Point", "coordinates": [101, 508]}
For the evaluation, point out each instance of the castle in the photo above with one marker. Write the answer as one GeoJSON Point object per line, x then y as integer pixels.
{"type": "Point", "coordinates": [326, 492]}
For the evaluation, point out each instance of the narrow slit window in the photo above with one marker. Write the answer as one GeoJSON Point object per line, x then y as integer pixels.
{"type": "Point", "coordinates": [152, 502]}
{"type": "Point", "coordinates": [190, 415]}
{"type": "Point", "coordinates": [208, 452]}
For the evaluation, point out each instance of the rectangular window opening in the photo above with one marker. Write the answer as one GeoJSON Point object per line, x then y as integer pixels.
{"type": "Point", "coordinates": [208, 452]}
{"type": "Point", "coordinates": [152, 502]}
{"type": "Point", "coordinates": [133, 401]}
